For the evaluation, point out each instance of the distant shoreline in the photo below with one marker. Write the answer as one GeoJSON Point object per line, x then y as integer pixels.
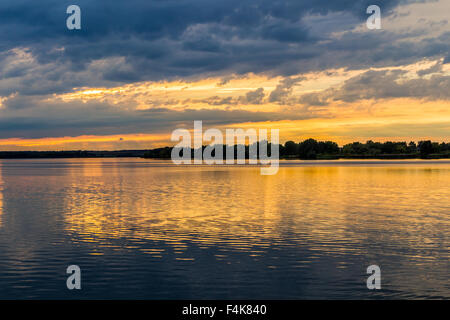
{"type": "Point", "coordinates": [309, 149]}
{"type": "Point", "coordinates": [142, 154]}
{"type": "Point", "coordinates": [71, 154]}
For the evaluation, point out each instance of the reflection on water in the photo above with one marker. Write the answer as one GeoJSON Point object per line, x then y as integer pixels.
{"type": "Point", "coordinates": [147, 229]}
{"type": "Point", "coordinates": [1, 195]}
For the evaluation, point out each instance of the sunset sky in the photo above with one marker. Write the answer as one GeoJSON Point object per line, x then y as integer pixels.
{"type": "Point", "coordinates": [139, 69]}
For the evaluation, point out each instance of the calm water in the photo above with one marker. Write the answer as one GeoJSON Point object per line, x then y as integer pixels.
{"type": "Point", "coordinates": [146, 229]}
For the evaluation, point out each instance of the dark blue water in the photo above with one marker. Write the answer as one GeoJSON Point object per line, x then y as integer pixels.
{"type": "Point", "coordinates": [142, 229]}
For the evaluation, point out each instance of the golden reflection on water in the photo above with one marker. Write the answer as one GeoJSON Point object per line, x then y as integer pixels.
{"type": "Point", "coordinates": [238, 207]}
{"type": "Point", "coordinates": [314, 227]}
{"type": "Point", "coordinates": [166, 204]}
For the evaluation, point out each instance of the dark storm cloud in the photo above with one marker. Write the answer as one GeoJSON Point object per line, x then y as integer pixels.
{"type": "Point", "coordinates": [165, 39]}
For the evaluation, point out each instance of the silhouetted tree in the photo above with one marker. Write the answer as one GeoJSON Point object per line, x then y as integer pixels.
{"type": "Point", "coordinates": [290, 148]}
{"type": "Point", "coordinates": [425, 147]}
{"type": "Point", "coordinates": [308, 149]}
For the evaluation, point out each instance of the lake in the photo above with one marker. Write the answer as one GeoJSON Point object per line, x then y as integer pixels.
{"type": "Point", "coordinates": [147, 229]}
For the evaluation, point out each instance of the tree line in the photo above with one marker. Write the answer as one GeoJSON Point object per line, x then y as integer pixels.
{"type": "Point", "coordinates": [313, 149]}
{"type": "Point", "coordinates": [307, 149]}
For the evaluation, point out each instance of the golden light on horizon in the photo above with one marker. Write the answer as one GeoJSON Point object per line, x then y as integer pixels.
{"type": "Point", "coordinates": [396, 119]}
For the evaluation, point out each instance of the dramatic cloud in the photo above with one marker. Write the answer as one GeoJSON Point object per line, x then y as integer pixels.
{"type": "Point", "coordinates": [385, 84]}
{"type": "Point", "coordinates": [148, 66]}
{"type": "Point", "coordinates": [123, 42]}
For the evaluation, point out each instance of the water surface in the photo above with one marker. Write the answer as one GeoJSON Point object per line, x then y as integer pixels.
{"type": "Point", "coordinates": [145, 229]}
